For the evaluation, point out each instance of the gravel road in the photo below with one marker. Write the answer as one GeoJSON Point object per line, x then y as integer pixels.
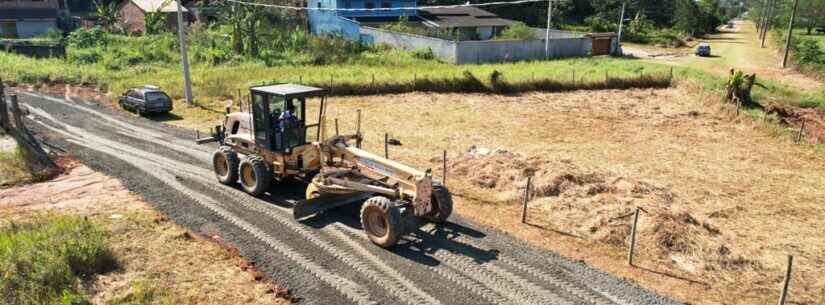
{"type": "Point", "coordinates": [326, 259]}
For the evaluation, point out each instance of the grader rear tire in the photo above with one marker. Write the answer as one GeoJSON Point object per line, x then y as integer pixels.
{"type": "Point", "coordinates": [255, 175]}
{"type": "Point", "coordinates": [225, 164]}
{"type": "Point", "coordinates": [381, 220]}
{"type": "Point", "coordinates": [442, 203]}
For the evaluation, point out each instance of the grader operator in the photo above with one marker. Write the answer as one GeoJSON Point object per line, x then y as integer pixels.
{"type": "Point", "coordinates": [274, 141]}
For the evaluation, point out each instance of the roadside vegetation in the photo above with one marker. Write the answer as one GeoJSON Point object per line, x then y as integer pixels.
{"type": "Point", "coordinates": [13, 169]}
{"type": "Point", "coordinates": [44, 258]}
{"type": "Point", "coordinates": [83, 238]}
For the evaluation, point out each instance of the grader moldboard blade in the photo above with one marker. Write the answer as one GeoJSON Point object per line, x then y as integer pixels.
{"type": "Point", "coordinates": [306, 208]}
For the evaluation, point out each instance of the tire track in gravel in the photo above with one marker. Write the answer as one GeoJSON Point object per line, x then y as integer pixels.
{"type": "Point", "coordinates": [508, 277]}
{"type": "Point", "coordinates": [353, 291]}
{"type": "Point", "coordinates": [498, 280]}
{"type": "Point", "coordinates": [404, 289]}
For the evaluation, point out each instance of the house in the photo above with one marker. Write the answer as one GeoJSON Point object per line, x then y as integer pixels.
{"type": "Point", "coordinates": [324, 19]}
{"type": "Point", "coordinates": [30, 18]}
{"type": "Point", "coordinates": [132, 14]}
{"type": "Point", "coordinates": [468, 23]}
{"type": "Point", "coordinates": [459, 23]}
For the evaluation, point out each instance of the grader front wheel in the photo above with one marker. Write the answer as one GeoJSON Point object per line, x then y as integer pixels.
{"type": "Point", "coordinates": [225, 164]}
{"type": "Point", "coordinates": [381, 220]}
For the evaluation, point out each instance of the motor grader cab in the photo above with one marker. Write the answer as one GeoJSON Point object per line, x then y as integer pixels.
{"type": "Point", "coordinates": [276, 139]}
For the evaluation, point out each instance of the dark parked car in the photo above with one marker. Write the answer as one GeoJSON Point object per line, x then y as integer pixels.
{"type": "Point", "coordinates": [149, 99]}
{"type": "Point", "coordinates": [703, 50]}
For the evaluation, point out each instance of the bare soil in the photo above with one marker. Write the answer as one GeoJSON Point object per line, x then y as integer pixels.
{"type": "Point", "coordinates": [726, 199]}
{"type": "Point", "coordinates": [154, 253]}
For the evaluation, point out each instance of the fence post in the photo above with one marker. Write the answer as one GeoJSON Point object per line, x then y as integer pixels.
{"type": "Point", "coordinates": [633, 238]}
{"type": "Point", "coordinates": [787, 281]}
{"type": "Point", "coordinates": [300, 79]}
{"type": "Point", "coordinates": [526, 198]}
{"type": "Point", "coordinates": [336, 127]}
{"type": "Point", "coordinates": [801, 132]}
{"type": "Point", "coordinates": [606, 77]}
{"type": "Point", "coordinates": [386, 146]}
{"type": "Point", "coordinates": [670, 78]}
{"type": "Point", "coordinates": [444, 168]}
{"type": "Point", "coordinates": [373, 83]}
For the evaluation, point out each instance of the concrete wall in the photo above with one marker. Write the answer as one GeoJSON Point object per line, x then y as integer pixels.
{"type": "Point", "coordinates": [487, 51]}
{"type": "Point", "coordinates": [494, 51]}
{"type": "Point", "coordinates": [328, 22]}
{"type": "Point", "coordinates": [32, 28]}
{"type": "Point", "coordinates": [443, 49]}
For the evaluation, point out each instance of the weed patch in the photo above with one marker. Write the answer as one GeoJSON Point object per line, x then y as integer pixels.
{"type": "Point", "coordinates": [44, 258]}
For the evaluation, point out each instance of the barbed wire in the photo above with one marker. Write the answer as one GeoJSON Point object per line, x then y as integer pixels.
{"type": "Point", "coordinates": [300, 8]}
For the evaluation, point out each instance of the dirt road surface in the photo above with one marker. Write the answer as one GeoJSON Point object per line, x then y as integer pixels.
{"type": "Point", "coordinates": [325, 260]}
{"type": "Point", "coordinates": [737, 48]}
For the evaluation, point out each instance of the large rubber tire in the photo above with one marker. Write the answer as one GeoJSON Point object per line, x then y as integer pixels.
{"type": "Point", "coordinates": [254, 175]}
{"type": "Point", "coordinates": [225, 164]}
{"type": "Point", "coordinates": [442, 203]}
{"type": "Point", "coordinates": [381, 220]}
{"type": "Point", "coordinates": [312, 191]}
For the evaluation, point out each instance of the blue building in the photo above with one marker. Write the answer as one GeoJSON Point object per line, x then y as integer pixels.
{"type": "Point", "coordinates": [347, 23]}
{"type": "Point", "coordinates": [457, 23]}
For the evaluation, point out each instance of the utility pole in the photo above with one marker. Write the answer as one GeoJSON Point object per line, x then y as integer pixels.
{"type": "Point", "coordinates": [790, 34]}
{"type": "Point", "coordinates": [762, 19]}
{"type": "Point", "coordinates": [768, 22]}
{"type": "Point", "coordinates": [621, 24]}
{"type": "Point", "coordinates": [547, 35]}
{"type": "Point", "coordinates": [184, 58]}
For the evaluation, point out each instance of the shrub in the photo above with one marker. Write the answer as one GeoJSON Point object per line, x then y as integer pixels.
{"type": "Point", "coordinates": [85, 55]}
{"type": "Point", "coordinates": [43, 258]}
{"type": "Point", "coordinates": [83, 38]}
{"type": "Point", "coordinates": [518, 30]}
{"type": "Point", "coordinates": [599, 24]}
{"type": "Point", "coordinates": [424, 53]}
{"type": "Point", "coordinates": [809, 52]}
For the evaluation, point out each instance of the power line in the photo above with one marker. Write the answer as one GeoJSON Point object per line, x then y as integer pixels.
{"type": "Point", "coordinates": [299, 8]}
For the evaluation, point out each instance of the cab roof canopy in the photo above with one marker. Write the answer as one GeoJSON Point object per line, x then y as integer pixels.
{"type": "Point", "coordinates": [290, 90]}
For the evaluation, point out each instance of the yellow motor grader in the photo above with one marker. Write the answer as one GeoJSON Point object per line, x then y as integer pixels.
{"type": "Point", "coordinates": [274, 141]}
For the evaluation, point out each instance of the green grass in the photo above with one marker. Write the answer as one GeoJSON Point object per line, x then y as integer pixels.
{"type": "Point", "coordinates": [13, 168]}
{"type": "Point", "coordinates": [389, 66]}
{"type": "Point", "coordinates": [44, 259]}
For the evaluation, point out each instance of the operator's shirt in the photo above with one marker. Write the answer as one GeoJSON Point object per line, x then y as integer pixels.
{"type": "Point", "coordinates": [285, 118]}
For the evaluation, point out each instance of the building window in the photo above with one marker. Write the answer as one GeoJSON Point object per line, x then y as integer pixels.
{"type": "Point", "coordinates": [319, 4]}
{"type": "Point", "coordinates": [369, 4]}
{"type": "Point", "coordinates": [386, 4]}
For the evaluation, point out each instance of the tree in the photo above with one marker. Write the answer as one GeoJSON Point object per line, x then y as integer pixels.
{"type": "Point", "coordinates": [107, 14]}
{"type": "Point", "coordinates": [244, 21]}
{"type": "Point", "coordinates": [685, 19]}
{"type": "Point", "coordinates": [811, 14]}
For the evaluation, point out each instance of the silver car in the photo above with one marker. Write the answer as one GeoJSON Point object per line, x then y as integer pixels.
{"type": "Point", "coordinates": [149, 99]}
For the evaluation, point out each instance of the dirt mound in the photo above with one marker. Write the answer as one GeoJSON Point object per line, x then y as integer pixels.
{"type": "Point", "coordinates": [597, 205]}
{"type": "Point", "coordinates": [793, 118]}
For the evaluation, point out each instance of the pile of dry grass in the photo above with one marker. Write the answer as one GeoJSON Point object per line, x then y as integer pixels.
{"type": "Point", "coordinates": [599, 206]}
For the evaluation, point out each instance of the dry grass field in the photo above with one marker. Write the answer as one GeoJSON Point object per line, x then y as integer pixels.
{"type": "Point", "coordinates": [726, 198]}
